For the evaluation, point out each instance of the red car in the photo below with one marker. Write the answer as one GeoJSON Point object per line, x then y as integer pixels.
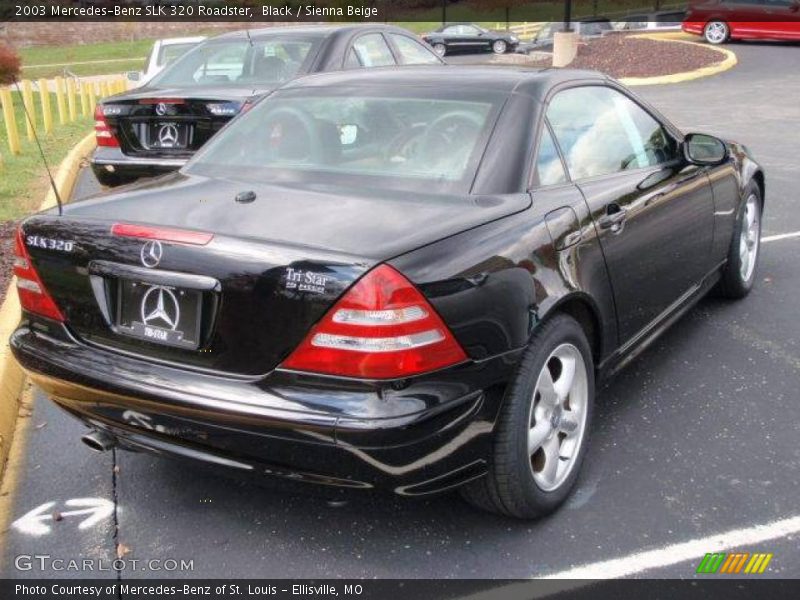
{"type": "Point", "coordinates": [719, 21]}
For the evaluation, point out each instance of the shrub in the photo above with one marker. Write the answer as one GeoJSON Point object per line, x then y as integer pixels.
{"type": "Point", "coordinates": [9, 65]}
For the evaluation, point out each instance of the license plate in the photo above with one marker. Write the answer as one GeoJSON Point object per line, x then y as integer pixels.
{"type": "Point", "coordinates": [159, 313]}
{"type": "Point", "coordinates": [168, 135]}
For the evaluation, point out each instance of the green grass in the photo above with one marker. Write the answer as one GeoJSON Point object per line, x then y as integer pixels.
{"type": "Point", "coordinates": [103, 58]}
{"type": "Point", "coordinates": [23, 180]}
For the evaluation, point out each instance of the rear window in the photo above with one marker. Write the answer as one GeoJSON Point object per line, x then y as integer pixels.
{"type": "Point", "coordinates": [169, 53]}
{"type": "Point", "coordinates": [393, 139]}
{"type": "Point", "coordinates": [269, 61]}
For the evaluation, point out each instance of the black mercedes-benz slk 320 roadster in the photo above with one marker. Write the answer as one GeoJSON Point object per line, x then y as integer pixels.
{"type": "Point", "coordinates": [404, 279]}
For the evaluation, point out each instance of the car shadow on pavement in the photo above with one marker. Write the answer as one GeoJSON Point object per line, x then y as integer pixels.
{"type": "Point", "coordinates": [166, 507]}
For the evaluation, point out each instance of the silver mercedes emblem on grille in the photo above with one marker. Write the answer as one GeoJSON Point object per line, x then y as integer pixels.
{"type": "Point", "coordinates": [160, 306]}
{"type": "Point", "coordinates": [168, 135]}
{"type": "Point", "coordinates": [161, 109]}
{"type": "Point", "coordinates": [151, 253]}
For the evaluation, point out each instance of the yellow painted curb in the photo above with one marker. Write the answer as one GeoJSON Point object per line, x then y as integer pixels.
{"type": "Point", "coordinates": [728, 61]}
{"type": "Point", "coordinates": [12, 378]}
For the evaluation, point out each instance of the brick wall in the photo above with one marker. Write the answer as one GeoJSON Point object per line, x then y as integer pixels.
{"type": "Point", "coordinates": [72, 32]}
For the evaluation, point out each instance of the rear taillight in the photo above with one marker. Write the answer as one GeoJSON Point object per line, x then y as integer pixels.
{"type": "Point", "coordinates": [33, 295]}
{"type": "Point", "coordinates": [103, 133]}
{"type": "Point", "coordinates": [382, 328]}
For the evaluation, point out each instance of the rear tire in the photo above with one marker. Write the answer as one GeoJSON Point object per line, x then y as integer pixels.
{"type": "Point", "coordinates": [440, 49]}
{"type": "Point", "coordinates": [716, 32]}
{"type": "Point", "coordinates": [739, 273]}
{"type": "Point", "coordinates": [542, 430]}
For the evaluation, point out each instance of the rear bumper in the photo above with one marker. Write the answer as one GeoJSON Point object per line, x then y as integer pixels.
{"type": "Point", "coordinates": [423, 437]}
{"type": "Point", "coordinates": [108, 163]}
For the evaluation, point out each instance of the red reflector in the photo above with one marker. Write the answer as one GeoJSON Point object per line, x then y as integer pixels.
{"type": "Point", "coordinates": [33, 295]}
{"type": "Point", "coordinates": [179, 236]}
{"type": "Point", "coordinates": [382, 328]}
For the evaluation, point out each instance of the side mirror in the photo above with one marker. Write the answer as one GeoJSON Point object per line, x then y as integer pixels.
{"type": "Point", "coordinates": [133, 75]}
{"type": "Point", "coordinates": [702, 149]}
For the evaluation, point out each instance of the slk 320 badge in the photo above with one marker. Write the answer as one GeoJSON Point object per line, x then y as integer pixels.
{"type": "Point", "coordinates": [37, 241]}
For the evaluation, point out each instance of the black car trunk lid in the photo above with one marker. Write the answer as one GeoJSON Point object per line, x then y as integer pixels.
{"type": "Point", "coordinates": [231, 305]}
{"type": "Point", "coordinates": [248, 279]}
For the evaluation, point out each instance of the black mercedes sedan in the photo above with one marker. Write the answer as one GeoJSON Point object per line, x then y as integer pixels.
{"type": "Point", "coordinates": [469, 37]}
{"type": "Point", "coordinates": [403, 279]}
{"type": "Point", "coordinates": [154, 129]}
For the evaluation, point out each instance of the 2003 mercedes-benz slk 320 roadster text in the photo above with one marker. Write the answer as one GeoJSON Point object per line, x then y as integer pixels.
{"type": "Point", "coordinates": [404, 279]}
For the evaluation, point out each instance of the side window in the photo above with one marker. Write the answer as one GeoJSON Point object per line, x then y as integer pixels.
{"type": "Point", "coordinates": [373, 51]}
{"type": "Point", "coordinates": [412, 52]}
{"type": "Point", "coordinates": [602, 131]}
{"type": "Point", "coordinates": [549, 169]}
{"type": "Point", "coordinates": [351, 62]}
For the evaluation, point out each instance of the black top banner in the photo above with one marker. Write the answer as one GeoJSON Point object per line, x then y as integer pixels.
{"type": "Point", "coordinates": [335, 10]}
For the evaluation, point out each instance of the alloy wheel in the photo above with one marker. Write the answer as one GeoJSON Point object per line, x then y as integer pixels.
{"type": "Point", "coordinates": [716, 32]}
{"type": "Point", "coordinates": [557, 421]}
{"type": "Point", "coordinates": [749, 238]}
{"type": "Point", "coordinates": [499, 47]}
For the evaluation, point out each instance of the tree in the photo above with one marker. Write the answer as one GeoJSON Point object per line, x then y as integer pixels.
{"type": "Point", "coordinates": [9, 65]}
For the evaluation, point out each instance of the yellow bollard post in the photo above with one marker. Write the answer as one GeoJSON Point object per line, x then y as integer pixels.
{"type": "Point", "coordinates": [27, 100]}
{"type": "Point", "coordinates": [92, 99]}
{"type": "Point", "coordinates": [44, 98]}
{"type": "Point", "coordinates": [11, 122]}
{"type": "Point", "coordinates": [71, 100]}
{"type": "Point", "coordinates": [104, 91]}
{"type": "Point", "coordinates": [84, 96]}
{"type": "Point", "coordinates": [60, 100]}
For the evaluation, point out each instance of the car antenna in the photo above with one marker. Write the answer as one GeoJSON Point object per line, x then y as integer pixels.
{"type": "Point", "coordinates": [39, 145]}
{"type": "Point", "coordinates": [249, 39]}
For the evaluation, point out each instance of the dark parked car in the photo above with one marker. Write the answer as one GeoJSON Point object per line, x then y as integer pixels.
{"type": "Point", "coordinates": [469, 37]}
{"type": "Point", "coordinates": [720, 21]}
{"type": "Point", "coordinates": [154, 129]}
{"type": "Point", "coordinates": [403, 279]}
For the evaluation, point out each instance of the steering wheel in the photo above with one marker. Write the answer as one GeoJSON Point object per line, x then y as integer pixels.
{"type": "Point", "coordinates": [287, 117]}
{"type": "Point", "coordinates": [440, 142]}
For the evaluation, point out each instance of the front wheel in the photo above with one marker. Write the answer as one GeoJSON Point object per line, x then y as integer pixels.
{"type": "Point", "coordinates": [716, 32]}
{"type": "Point", "coordinates": [543, 426]}
{"type": "Point", "coordinates": [440, 49]}
{"type": "Point", "coordinates": [739, 272]}
{"type": "Point", "coordinates": [499, 47]}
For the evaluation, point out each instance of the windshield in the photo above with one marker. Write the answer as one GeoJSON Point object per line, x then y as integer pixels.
{"type": "Point", "coordinates": [400, 139]}
{"type": "Point", "coordinates": [266, 61]}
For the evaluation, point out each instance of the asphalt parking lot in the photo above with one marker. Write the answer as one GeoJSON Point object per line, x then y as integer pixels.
{"type": "Point", "coordinates": [698, 437]}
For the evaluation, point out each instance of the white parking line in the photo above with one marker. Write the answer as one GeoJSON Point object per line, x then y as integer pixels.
{"type": "Point", "coordinates": [782, 236]}
{"type": "Point", "coordinates": [683, 552]}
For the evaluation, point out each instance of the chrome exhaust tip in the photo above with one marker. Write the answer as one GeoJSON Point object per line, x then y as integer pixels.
{"type": "Point", "coordinates": [99, 441]}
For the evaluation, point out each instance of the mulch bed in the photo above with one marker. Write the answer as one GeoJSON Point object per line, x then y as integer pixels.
{"type": "Point", "coordinates": [7, 229]}
{"type": "Point", "coordinates": [626, 56]}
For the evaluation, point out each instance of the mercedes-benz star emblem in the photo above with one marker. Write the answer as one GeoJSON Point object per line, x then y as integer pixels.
{"type": "Point", "coordinates": [160, 304]}
{"type": "Point", "coordinates": [167, 136]}
{"type": "Point", "coordinates": [161, 109]}
{"type": "Point", "coordinates": [151, 253]}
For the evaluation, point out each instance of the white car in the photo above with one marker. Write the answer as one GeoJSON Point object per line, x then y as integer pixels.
{"type": "Point", "coordinates": [163, 53]}
{"type": "Point", "coordinates": [658, 21]}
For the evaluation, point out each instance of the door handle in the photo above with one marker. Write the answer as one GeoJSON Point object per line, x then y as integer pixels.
{"type": "Point", "coordinates": [613, 219]}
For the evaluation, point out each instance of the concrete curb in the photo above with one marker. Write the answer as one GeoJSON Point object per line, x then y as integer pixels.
{"type": "Point", "coordinates": [12, 379]}
{"type": "Point", "coordinates": [728, 61]}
